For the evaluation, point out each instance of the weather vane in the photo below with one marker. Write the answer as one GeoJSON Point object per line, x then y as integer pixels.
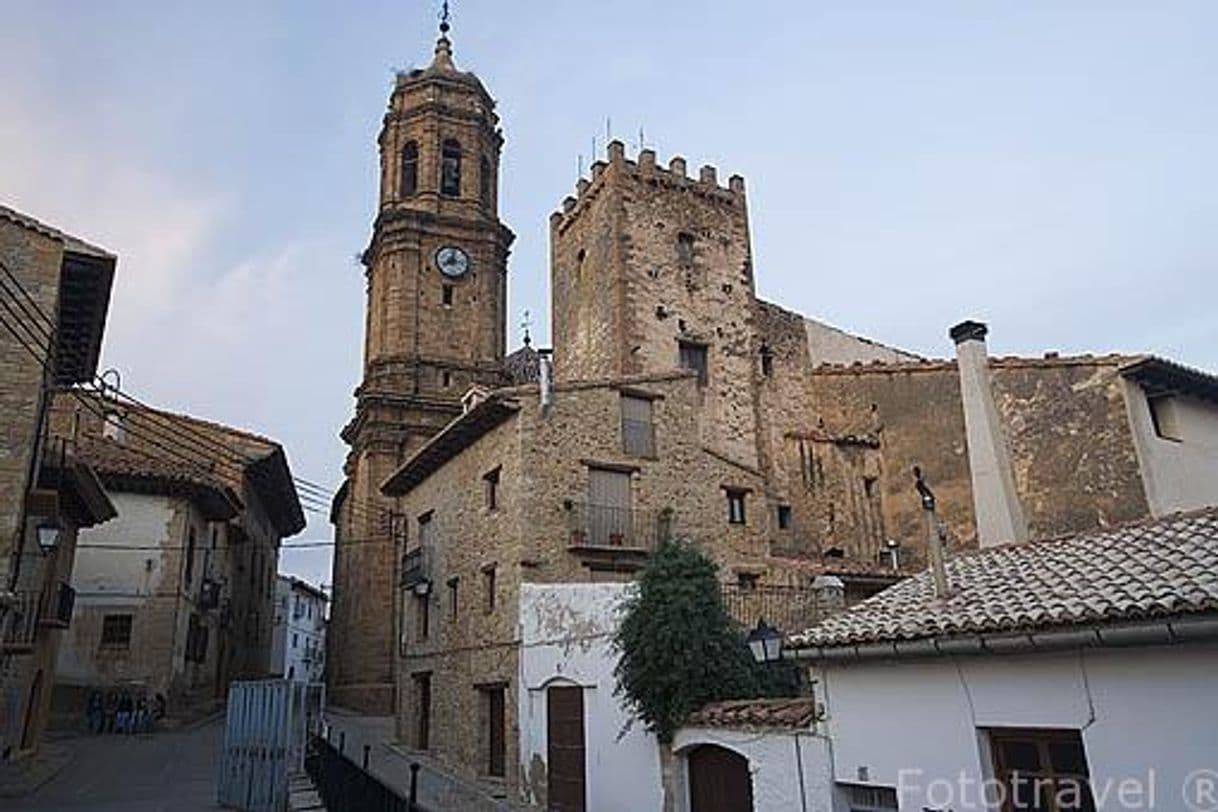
{"type": "Point", "coordinates": [444, 16]}
{"type": "Point", "coordinates": [525, 323]}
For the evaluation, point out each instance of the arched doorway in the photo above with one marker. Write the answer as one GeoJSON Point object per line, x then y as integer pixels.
{"type": "Point", "coordinates": [719, 780]}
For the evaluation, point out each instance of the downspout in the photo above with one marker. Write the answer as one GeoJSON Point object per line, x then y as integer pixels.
{"type": "Point", "coordinates": [799, 767]}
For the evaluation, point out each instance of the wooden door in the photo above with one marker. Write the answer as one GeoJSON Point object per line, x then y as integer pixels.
{"type": "Point", "coordinates": [609, 514]}
{"type": "Point", "coordinates": [565, 749]}
{"type": "Point", "coordinates": [719, 780]}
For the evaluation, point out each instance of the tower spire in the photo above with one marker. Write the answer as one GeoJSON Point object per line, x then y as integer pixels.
{"type": "Point", "coordinates": [444, 47]}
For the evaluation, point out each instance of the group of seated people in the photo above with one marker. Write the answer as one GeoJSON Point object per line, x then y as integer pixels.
{"type": "Point", "coordinates": [121, 712]}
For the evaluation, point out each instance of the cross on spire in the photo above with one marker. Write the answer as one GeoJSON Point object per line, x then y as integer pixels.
{"type": "Point", "coordinates": [525, 324]}
{"type": "Point", "coordinates": [444, 18]}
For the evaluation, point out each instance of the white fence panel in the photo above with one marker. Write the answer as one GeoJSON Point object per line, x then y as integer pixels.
{"type": "Point", "coordinates": [268, 725]}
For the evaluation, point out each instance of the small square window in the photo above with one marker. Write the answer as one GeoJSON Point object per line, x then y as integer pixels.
{"type": "Point", "coordinates": [784, 517]}
{"type": "Point", "coordinates": [116, 631]}
{"type": "Point", "coordinates": [693, 357]}
{"type": "Point", "coordinates": [735, 506]}
{"type": "Point", "coordinates": [1164, 417]}
{"type": "Point", "coordinates": [685, 248]}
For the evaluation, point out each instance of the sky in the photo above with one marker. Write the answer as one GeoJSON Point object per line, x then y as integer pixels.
{"type": "Point", "coordinates": [1049, 167]}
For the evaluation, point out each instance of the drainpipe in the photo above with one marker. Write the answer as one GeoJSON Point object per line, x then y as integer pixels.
{"type": "Point", "coordinates": [1000, 518]}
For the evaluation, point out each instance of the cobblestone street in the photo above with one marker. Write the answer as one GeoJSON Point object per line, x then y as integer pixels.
{"type": "Point", "coordinates": [162, 772]}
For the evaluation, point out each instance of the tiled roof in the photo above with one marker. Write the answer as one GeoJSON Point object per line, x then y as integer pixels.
{"type": "Point", "coordinates": [119, 467]}
{"type": "Point", "coordinates": [70, 243]}
{"type": "Point", "coordinates": [1162, 568]}
{"type": "Point", "coordinates": [756, 713]}
{"type": "Point", "coordinates": [522, 366]}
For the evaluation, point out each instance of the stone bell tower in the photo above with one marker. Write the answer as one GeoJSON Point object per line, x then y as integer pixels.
{"type": "Point", "coordinates": [436, 272]}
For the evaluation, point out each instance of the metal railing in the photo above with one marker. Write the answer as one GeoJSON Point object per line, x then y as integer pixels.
{"type": "Point", "coordinates": [595, 526]}
{"type": "Point", "coordinates": [58, 602]}
{"type": "Point", "coordinates": [414, 567]}
{"type": "Point", "coordinates": [20, 622]}
{"type": "Point", "coordinates": [787, 608]}
{"type": "Point", "coordinates": [344, 787]}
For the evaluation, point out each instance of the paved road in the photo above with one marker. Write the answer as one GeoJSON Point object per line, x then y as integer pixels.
{"type": "Point", "coordinates": [160, 772]}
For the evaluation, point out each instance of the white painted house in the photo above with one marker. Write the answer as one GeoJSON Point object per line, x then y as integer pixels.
{"type": "Point", "coordinates": [1062, 667]}
{"type": "Point", "coordinates": [298, 639]}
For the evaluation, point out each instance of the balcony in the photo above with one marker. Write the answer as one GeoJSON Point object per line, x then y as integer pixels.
{"type": "Point", "coordinates": [58, 603]}
{"type": "Point", "coordinates": [414, 568]}
{"type": "Point", "coordinates": [21, 623]}
{"type": "Point", "coordinates": [787, 608]}
{"type": "Point", "coordinates": [620, 537]}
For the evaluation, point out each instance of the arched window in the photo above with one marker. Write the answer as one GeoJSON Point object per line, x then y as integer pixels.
{"type": "Point", "coordinates": [484, 182]}
{"type": "Point", "coordinates": [450, 169]}
{"type": "Point", "coordinates": [410, 169]}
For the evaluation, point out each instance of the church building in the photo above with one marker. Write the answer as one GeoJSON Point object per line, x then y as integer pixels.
{"type": "Point", "coordinates": [497, 506]}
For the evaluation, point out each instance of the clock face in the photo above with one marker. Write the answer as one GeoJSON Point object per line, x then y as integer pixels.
{"type": "Point", "coordinates": [452, 262]}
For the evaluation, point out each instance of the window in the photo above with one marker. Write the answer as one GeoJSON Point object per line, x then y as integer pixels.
{"type": "Point", "coordinates": [767, 361]}
{"type": "Point", "coordinates": [693, 357]}
{"type": "Point", "coordinates": [446, 296]}
{"type": "Point", "coordinates": [453, 607]}
{"type": "Point", "coordinates": [784, 517]}
{"type": "Point", "coordinates": [450, 169]}
{"type": "Point", "coordinates": [747, 581]}
{"type": "Point", "coordinates": [485, 179]}
{"type": "Point", "coordinates": [410, 169]}
{"type": "Point", "coordinates": [189, 572]}
{"type": "Point", "coordinates": [735, 506]}
{"type": "Point", "coordinates": [490, 486]}
{"type": "Point", "coordinates": [494, 708]}
{"type": "Point", "coordinates": [685, 248]}
{"type": "Point", "coordinates": [295, 641]}
{"type": "Point", "coordinates": [867, 798]}
{"type": "Point", "coordinates": [116, 631]}
{"type": "Point", "coordinates": [488, 586]}
{"type": "Point", "coordinates": [422, 613]}
{"type": "Point", "coordinates": [638, 431]}
{"type": "Point", "coordinates": [196, 640]}
{"type": "Point", "coordinates": [427, 530]}
{"type": "Point", "coordinates": [446, 379]}
{"type": "Point", "coordinates": [1164, 417]}
{"type": "Point", "coordinates": [1042, 769]}
{"type": "Point", "coordinates": [422, 706]}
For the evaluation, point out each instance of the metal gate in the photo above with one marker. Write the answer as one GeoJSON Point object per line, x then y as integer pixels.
{"type": "Point", "coordinates": [269, 724]}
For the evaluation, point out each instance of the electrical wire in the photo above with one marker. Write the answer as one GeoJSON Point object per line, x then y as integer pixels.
{"type": "Point", "coordinates": [313, 497]}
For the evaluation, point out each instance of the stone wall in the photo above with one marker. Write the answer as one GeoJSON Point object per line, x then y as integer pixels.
{"type": "Point", "coordinates": [844, 440]}
{"type": "Point", "coordinates": [34, 259]}
{"type": "Point", "coordinates": [646, 258]}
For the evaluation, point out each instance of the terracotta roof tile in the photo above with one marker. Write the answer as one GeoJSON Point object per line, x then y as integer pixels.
{"type": "Point", "coordinates": [1154, 569]}
{"type": "Point", "coordinates": [756, 713]}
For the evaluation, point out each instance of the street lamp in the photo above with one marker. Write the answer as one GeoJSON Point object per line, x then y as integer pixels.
{"type": "Point", "coordinates": [48, 535]}
{"type": "Point", "coordinates": [765, 642]}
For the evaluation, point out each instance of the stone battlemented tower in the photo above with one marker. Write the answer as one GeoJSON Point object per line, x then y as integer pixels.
{"type": "Point", "coordinates": [651, 271]}
{"type": "Point", "coordinates": [436, 283]}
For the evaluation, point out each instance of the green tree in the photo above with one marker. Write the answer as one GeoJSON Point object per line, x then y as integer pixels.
{"type": "Point", "coordinates": [679, 649]}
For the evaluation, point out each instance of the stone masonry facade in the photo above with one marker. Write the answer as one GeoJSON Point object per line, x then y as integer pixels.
{"type": "Point", "coordinates": [783, 446]}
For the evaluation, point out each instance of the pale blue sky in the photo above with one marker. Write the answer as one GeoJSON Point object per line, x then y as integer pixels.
{"type": "Point", "coordinates": [1049, 167]}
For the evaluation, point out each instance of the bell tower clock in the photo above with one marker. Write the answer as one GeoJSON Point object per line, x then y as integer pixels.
{"type": "Point", "coordinates": [436, 274]}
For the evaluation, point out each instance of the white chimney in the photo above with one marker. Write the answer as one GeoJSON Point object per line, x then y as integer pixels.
{"type": "Point", "coordinates": [1000, 518]}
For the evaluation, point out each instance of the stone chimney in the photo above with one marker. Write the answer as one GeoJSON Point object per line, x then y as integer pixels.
{"type": "Point", "coordinates": [1000, 518]}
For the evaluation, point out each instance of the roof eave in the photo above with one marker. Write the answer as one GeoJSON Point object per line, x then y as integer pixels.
{"type": "Point", "coordinates": [1182, 628]}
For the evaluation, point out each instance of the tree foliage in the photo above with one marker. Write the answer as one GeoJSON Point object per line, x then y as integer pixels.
{"type": "Point", "coordinates": [679, 649]}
